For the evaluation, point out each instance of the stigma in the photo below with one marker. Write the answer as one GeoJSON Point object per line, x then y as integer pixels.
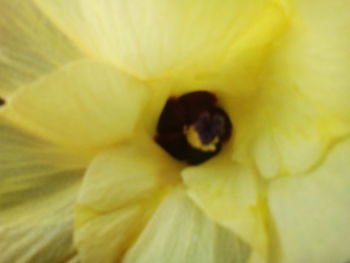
{"type": "Point", "coordinates": [206, 132]}
{"type": "Point", "coordinates": [193, 128]}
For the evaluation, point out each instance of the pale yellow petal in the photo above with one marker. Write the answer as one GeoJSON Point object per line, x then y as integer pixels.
{"type": "Point", "coordinates": [74, 259]}
{"type": "Point", "coordinates": [314, 56]}
{"type": "Point", "coordinates": [282, 131]}
{"type": "Point", "coordinates": [40, 242]}
{"type": "Point", "coordinates": [104, 237]}
{"type": "Point", "coordinates": [39, 184]}
{"type": "Point", "coordinates": [302, 107]}
{"type": "Point", "coordinates": [180, 232]}
{"type": "Point", "coordinates": [84, 105]}
{"type": "Point", "coordinates": [30, 45]}
{"type": "Point", "coordinates": [120, 190]}
{"type": "Point", "coordinates": [149, 38]}
{"type": "Point", "coordinates": [235, 75]}
{"type": "Point", "coordinates": [311, 212]}
{"type": "Point", "coordinates": [228, 193]}
{"type": "Point", "coordinates": [127, 173]}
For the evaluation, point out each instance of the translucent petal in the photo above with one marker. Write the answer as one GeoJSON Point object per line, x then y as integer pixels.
{"type": "Point", "coordinates": [151, 37]}
{"type": "Point", "coordinates": [39, 183]}
{"type": "Point", "coordinates": [120, 189]}
{"type": "Point", "coordinates": [74, 259]}
{"type": "Point", "coordinates": [228, 193]}
{"type": "Point", "coordinates": [314, 55]}
{"type": "Point", "coordinates": [301, 107]}
{"type": "Point", "coordinates": [30, 45]}
{"type": "Point", "coordinates": [104, 237]}
{"type": "Point", "coordinates": [180, 232]}
{"type": "Point", "coordinates": [127, 173]}
{"type": "Point", "coordinates": [84, 105]}
{"type": "Point", "coordinates": [236, 74]}
{"type": "Point", "coordinates": [311, 212]}
{"type": "Point", "coordinates": [284, 132]}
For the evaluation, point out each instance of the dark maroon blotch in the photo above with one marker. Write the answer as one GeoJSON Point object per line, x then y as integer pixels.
{"type": "Point", "coordinates": [200, 110]}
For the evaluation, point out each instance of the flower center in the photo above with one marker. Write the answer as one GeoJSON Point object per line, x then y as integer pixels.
{"type": "Point", "coordinates": [192, 127]}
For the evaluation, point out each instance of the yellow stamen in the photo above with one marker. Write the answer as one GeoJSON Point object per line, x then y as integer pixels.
{"type": "Point", "coordinates": [194, 140]}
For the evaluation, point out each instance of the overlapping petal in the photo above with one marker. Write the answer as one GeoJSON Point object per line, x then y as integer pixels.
{"type": "Point", "coordinates": [311, 212]}
{"type": "Point", "coordinates": [39, 184]}
{"type": "Point", "coordinates": [149, 38]}
{"type": "Point", "coordinates": [302, 106]}
{"type": "Point", "coordinates": [228, 193]}
{"type": "Point", "coordinates": [86, 105]}
{"type": "Point", "coordinates": [283, 132]}
{"type": "Point", "coordinates": [120, 190]}
{"type": "Point", "coordinates": [298, 110]}
{"type": "Point", "coordinates": [30, 45]}
{"type": "Point", "coordinates": [313, 57]}
{"type": "Point", "coordinates": [180, 232]}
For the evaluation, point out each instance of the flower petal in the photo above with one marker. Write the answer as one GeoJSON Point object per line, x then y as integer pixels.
{"type": "Point", "coordinates": [151, 37]}
{"type": "Point", "coordinates": [84, 105]}
{"type": "Point", "coordinates": [136, 169]}
{"type": "Point", "coordinates": [311, 212]}
{"type": "Point", "coordinates": [30, 46]}
{"type": "Point", "coordinates": [105, 237]}
{"type": "Point", "coordinates": [303, 104]}
{"type": "Point", "coordinates": [286, 133]}
{"type": "Point", "coordinates": [74, 259]}
{"type": "Point", "coordinates": [282, 130]}
{"type": "Point", "coordinates": [119, 191]}
{"type": "Point", "coordinates": [314, 55]}
{"type": "Point", "coordinates": [228, 193]}
{"type": "Point", "coordinates": [179, 232]}
{"type": "Point", "coordinates": [301, 107]}
{"type": "Point", "coordinates": [39, 183]}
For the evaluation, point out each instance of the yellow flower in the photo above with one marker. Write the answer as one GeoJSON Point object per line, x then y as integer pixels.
{"type": "Point", "coordinates": [84, 84]}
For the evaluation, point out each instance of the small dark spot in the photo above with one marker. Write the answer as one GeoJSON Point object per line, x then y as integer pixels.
{"type": "Point", "coordinates": [200, 111]}
{"type": "Point", "coordinates": [2, 101]}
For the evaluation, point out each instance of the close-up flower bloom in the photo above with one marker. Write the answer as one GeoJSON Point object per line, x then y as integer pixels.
{"type": "Point", "coordinates": [175, 131]}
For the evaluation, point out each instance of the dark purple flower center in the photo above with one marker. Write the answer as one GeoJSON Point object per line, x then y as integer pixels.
{"type": "Point", "coordinates": [192, 128]}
